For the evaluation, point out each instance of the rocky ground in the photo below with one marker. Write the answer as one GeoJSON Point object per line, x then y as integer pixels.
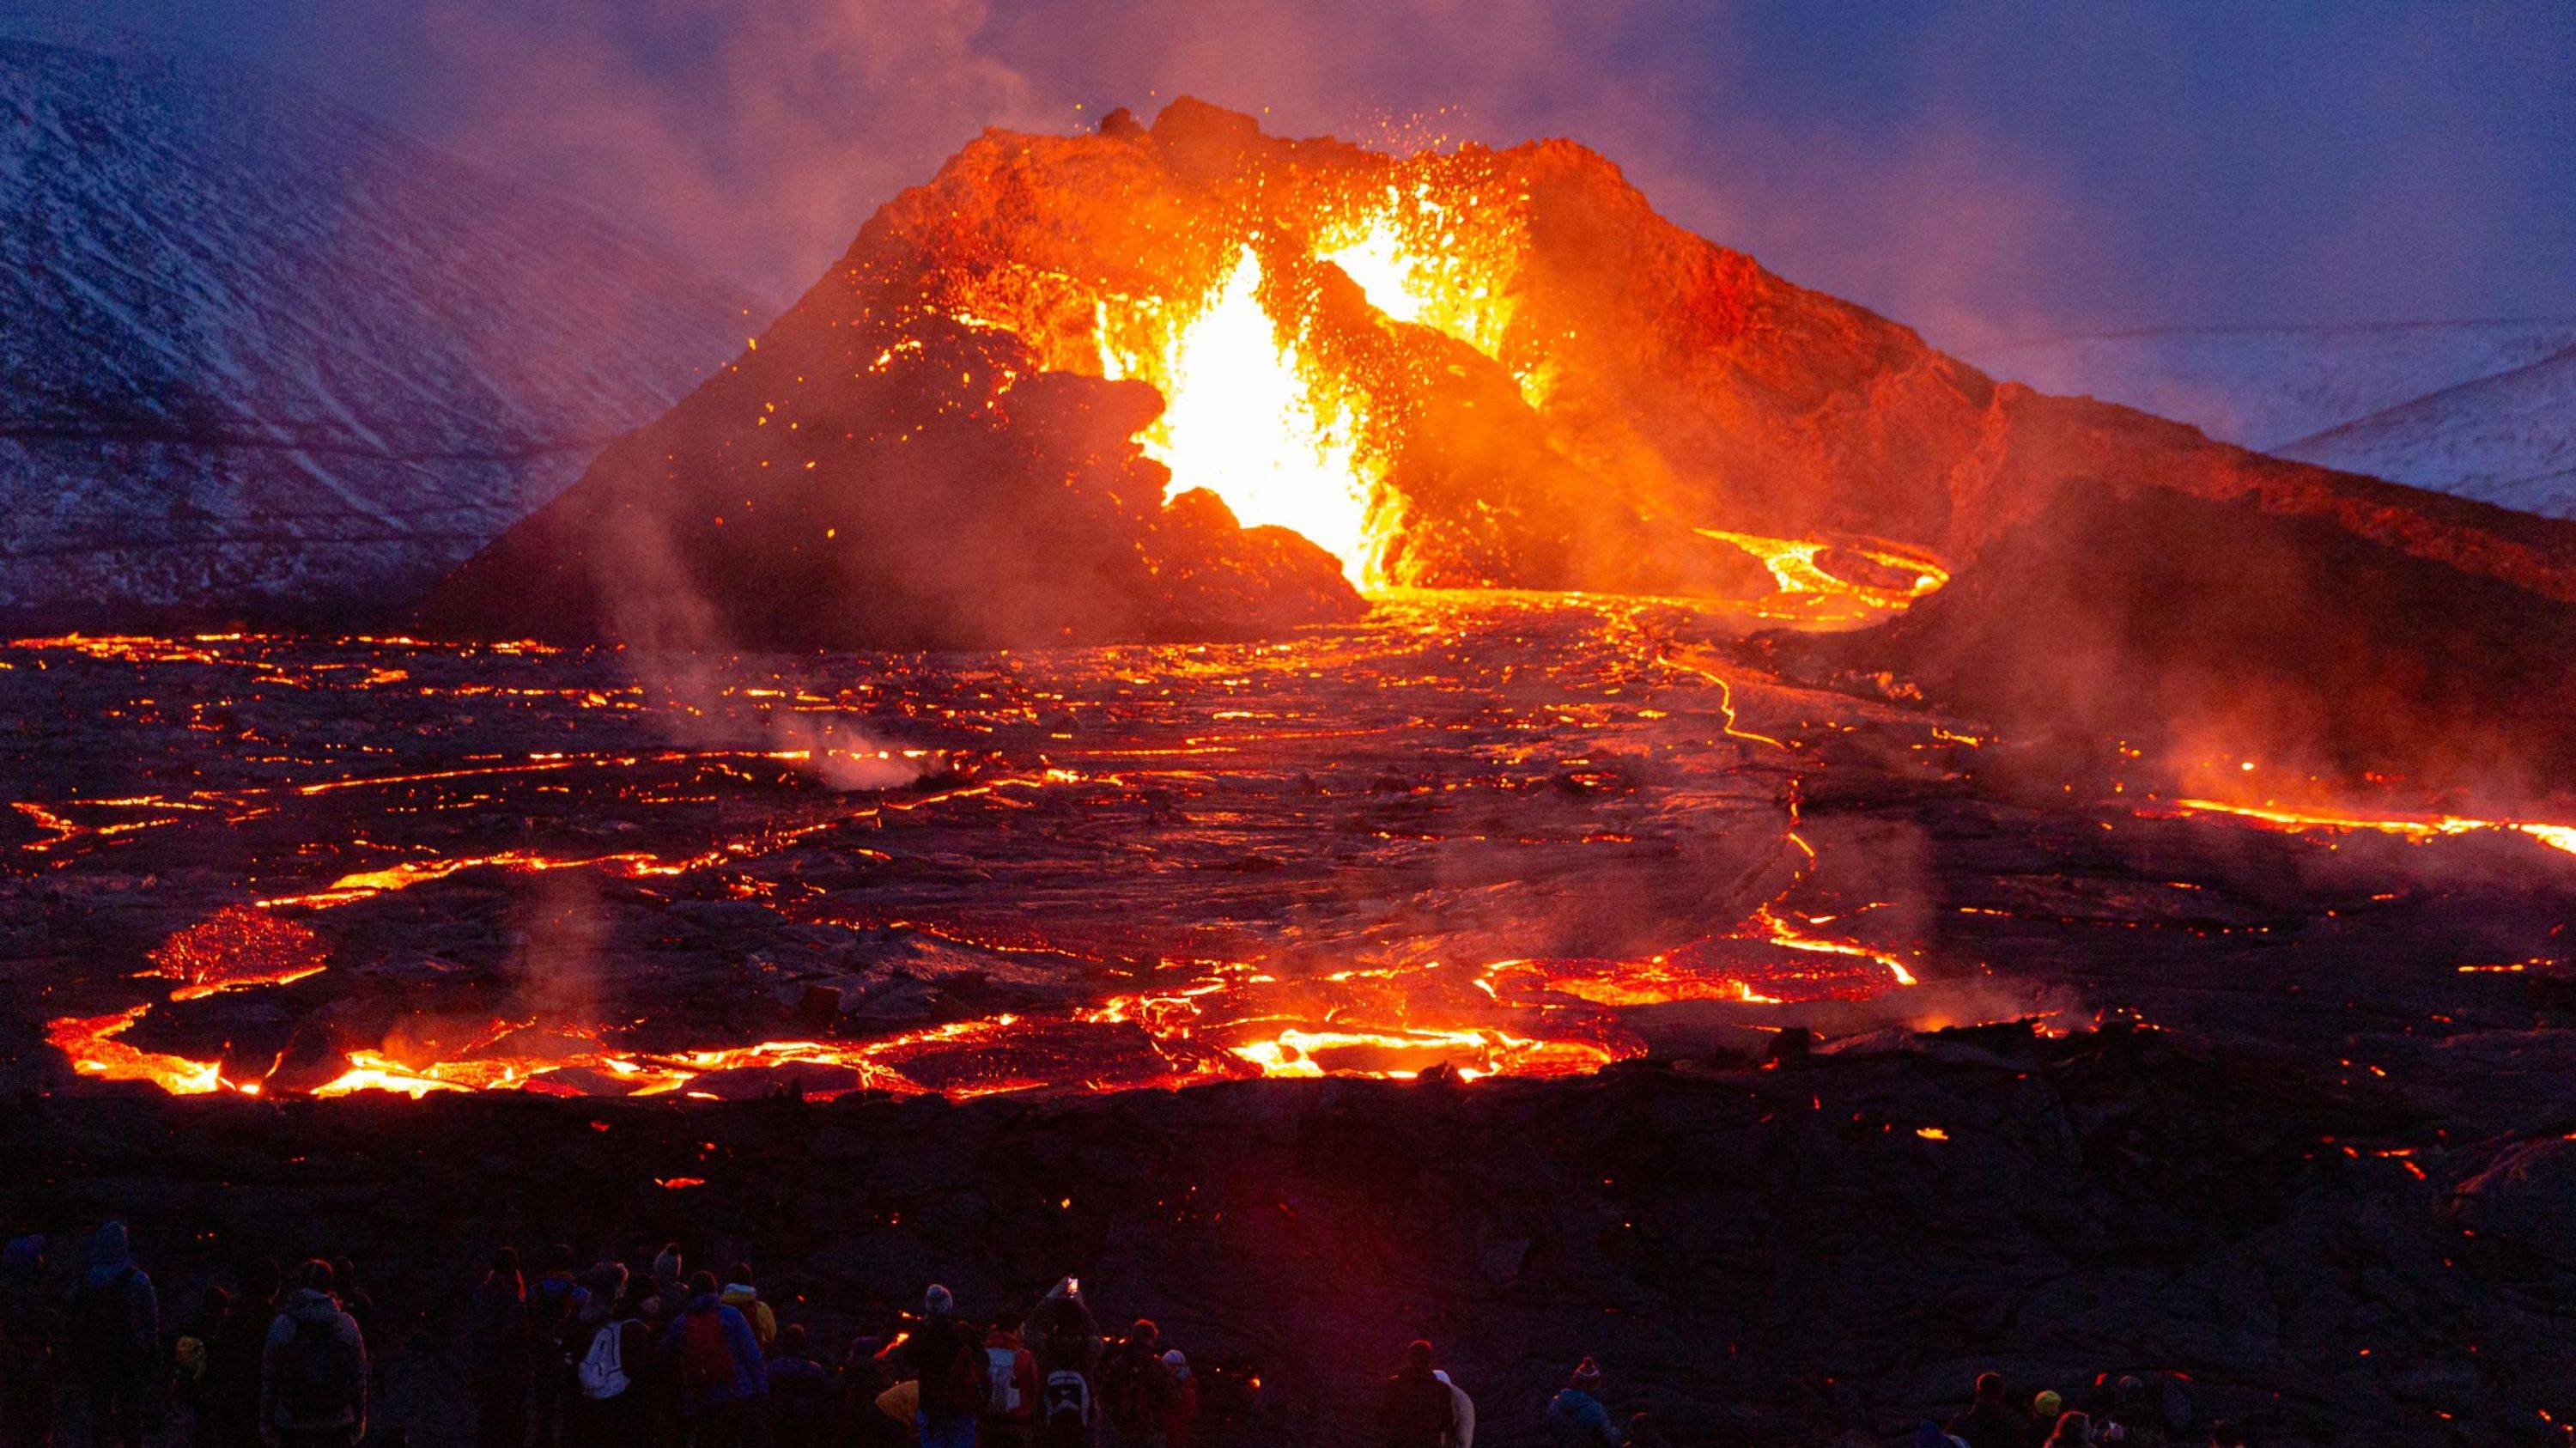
{"type": "Point", "coordinates": [1820, 1251]}
{"type": "Point", "coordinates": [2282, 1117]}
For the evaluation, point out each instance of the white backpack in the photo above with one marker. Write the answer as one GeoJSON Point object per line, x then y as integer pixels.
{"type": "Point", "coordinates": [1068, 1398]}
{"type": "Point", "coordinates": [603, 1368]}
{"type": "Point", "coordinates": [1002, 1364]}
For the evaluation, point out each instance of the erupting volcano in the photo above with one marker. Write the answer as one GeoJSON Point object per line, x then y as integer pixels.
{"type": "Point", "coordinates": [1180, 607]}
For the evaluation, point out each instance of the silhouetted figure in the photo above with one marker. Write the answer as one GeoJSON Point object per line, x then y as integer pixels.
{"type": "Point", "coordinates": [236, 1352]}
{"type": "Point", "coordinates": [865, 1376]}
{"type": "Point", "coordinates": [1414, 1408]}
{"type": "Point", "coordinates": [496, 1351]}
{"type": "Point", "coordinates": [1136, 1389]}
{"type": "Point", "coordinates": [1993, 1421]}
{"type": "Point", "coordinates": [554, 1307]}
{"type": "Point", "coordinates": [28, 1328]}
{"type": "Point", "coordinates": [115, 1339]}
{"type": "Point", "coordinates": [313, 1378]}
{"type": "Point", "coordinates": [192, 1362]}
{"type": "Point", "coordinates": [799, 1392]}
{"type": "Point", "coordinates": [948, 1363]}
{"type": "Point", "coordinates": [355, 1301]}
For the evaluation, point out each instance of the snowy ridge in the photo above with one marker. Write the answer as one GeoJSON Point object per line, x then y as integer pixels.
{"type": "Point", "coordinates": [264, 356]}
{"type": "Point", "coordinates": [2483, 409]}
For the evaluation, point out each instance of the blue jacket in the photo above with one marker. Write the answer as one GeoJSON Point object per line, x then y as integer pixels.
{"type": "Point", "coordinates": [1579, 1421]}
{"type": "Point", "coordinates": [750, 1377]}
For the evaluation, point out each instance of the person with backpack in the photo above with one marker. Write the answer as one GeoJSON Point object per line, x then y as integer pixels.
{"type": "Point", "coordinates": [722, 1386]}
{"type": "Point", "coordinates": [1576, 1415]}
{"type": "Point", "coordinates": [949, 1367]}
{"type": "Point", "coordinates": [1136, 1389]}
{"type": "Point", "coordinates": [313, 1378]}
{"type": "Point", "coordinates": [742, 1296]}
{"type": "Point", "coordinates": [496, 1350]}
{"type": "Point", "coordinates": [1011, 1389]}
{"type": "Point", "coordinates": [610, 1346]}
{"type": "Point", "coordinates": [799, 1392]}
{"type": "Point", "coordinates": [1414, 1408]}
{"type": "Point", "coordinates": [1065, 1339]}
{"type": "Point", "coordinates": [116, 1339]}
{"type": "Point", "coordinates": [27, 1332]}
{"type": "Point", "coordinates": [555, 1306]}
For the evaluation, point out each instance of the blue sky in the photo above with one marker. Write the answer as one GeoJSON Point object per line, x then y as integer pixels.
{"type": "Point", "coordinates": [1984, 169]}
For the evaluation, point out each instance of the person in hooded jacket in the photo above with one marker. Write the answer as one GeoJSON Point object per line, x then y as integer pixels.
{"type": "Point", "coordinates": [115, 1339]}
{"type": "Point", "coordinates": [1183, 1414]}
{"type": "Point", "coordinates": [949, 1365]}
{"type": "Point", "coordinates": [313, 1377]}
{"type": "Point", "coordinates": [1414, 1407]}
{"type": "Point", "coordinates": [496, 1350]}
{"type": "Point", "coordinates": [743, 1296]}
{"type": "Point", "coordinates": [800, 1392]}
{"type": "Point", "coordinates": [28, 1329]}
{"type": "Point", "coordinates": [1576, 1415]}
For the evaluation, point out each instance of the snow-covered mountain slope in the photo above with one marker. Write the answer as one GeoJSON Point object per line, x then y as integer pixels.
{"type": "Point", "coordinates": [2481, 409]}
{"type": "Point", "coordinates": [261, 356]}
{"type": "Point", "coordinates": [2509, 439]}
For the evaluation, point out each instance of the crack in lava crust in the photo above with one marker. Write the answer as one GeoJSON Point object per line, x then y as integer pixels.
{"type": "Point", "coordinates": [1467, 834]}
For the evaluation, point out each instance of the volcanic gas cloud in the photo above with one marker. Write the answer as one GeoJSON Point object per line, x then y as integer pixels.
{"type": "Point", "coordinates": [1195, 381]}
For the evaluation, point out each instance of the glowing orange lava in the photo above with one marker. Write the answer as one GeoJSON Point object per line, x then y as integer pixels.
{"type": "Point", "coordinates": [2418, 828]}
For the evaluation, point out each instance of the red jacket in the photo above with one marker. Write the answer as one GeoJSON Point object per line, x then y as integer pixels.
{"type": "Point", "coordinates": [1021, 1378]}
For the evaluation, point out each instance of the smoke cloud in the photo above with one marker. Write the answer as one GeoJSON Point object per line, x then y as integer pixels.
{"type": "Point", "coordinates": [1981, 170]}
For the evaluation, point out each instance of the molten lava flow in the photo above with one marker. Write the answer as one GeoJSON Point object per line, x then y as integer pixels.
{"type": "Point", "coordinates": [237, 949]}
{"type": "Point", "coordinates": [90, 1043]}
{"type": "Point", "coordinates": [2418, 828]}
{"type": "Point", "coordinates": [1815, 593]}
{"type": "Point", "coordinates": [1246, 419]}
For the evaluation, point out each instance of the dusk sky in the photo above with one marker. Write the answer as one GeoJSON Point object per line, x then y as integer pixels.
{"type": "Point", "coordinates": [1981, 170]}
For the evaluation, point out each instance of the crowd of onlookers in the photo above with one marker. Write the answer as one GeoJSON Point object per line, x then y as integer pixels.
{"type": "Point", "coordinates": [2126, 1410]}
{"type": "Point", "coordinates": [665, 1357]}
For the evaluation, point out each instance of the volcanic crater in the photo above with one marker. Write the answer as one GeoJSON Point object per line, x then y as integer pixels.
{"type": "Point", "coordinates": [1182, 608]}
